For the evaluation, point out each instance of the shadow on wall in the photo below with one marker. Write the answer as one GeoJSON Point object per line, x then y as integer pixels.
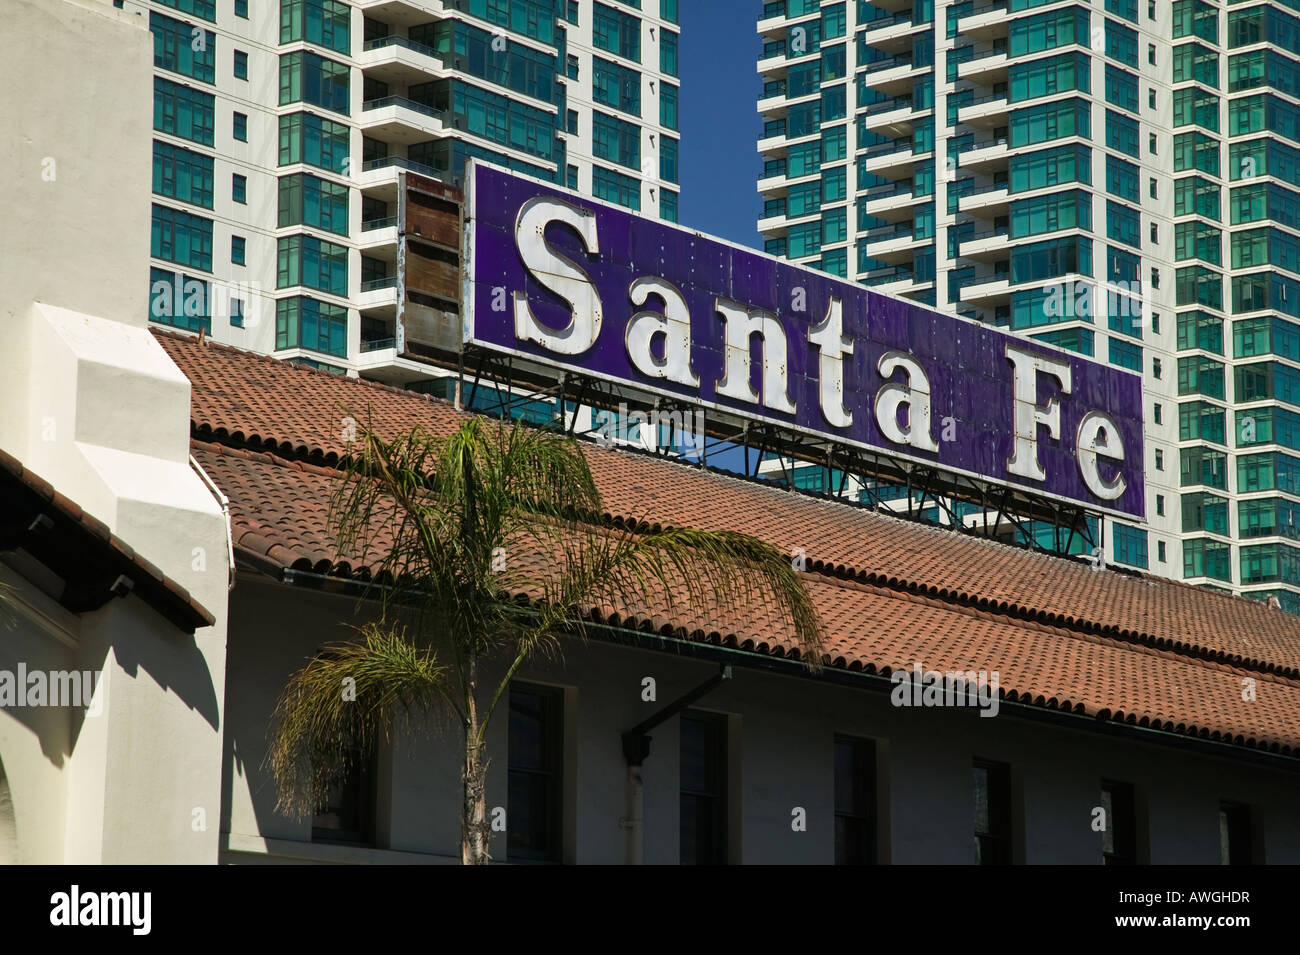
{"type": "Point", "coordinates": [8, 828]}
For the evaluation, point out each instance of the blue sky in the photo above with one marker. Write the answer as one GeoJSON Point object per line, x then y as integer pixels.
{"type": "Point", "coordinates": [718, 161]}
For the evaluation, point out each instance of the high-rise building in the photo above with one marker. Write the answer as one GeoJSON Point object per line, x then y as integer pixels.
{"type": "Point", "coordinates": [289, 134]}
{"type": "Point", "coordinates": [1115, 177]}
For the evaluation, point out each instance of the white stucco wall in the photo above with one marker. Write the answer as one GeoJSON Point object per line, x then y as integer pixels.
{"type": "Point", "coordinates": [93, 405]}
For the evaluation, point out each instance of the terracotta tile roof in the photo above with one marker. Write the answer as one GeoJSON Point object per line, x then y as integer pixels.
{"type": "Point", "coordinates": [278, 516]}
{"type": "Point", "coordinates": [82, 550]}
{"type": "Point", "coordinates": [1132, 648]}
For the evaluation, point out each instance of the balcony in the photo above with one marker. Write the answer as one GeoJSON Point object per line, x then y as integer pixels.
{"type": "Point", "coordinates": [378, 233]}
{"type": "Point", "coordinates": [378, 177]}
{"type": "Point", "coordinates": [987, 200]}
{"type": "Point", "coordinates": [985, 244]}
{"type": "Point", "coordinates": [892, 202]}
{"type": "Point", "coordinates": [987, 65]}
{"type": "Point", "coordinates": [989, 289]}
{"type": "Point", "coordinates": [892, 118]}
{"type": "Point", "coordinates": [406, 13]}
{"type": "Point", "coordinates": [991, 151]}
{"type": "Point", "coordinates": [399, 61]}
{"type": "Point", "coordinates": [986, 111]}
{"type": "Point", "coordinates": [985, 21]}
{"type": "Point", "coordinates": [889, 160]}
{"type": "Point", "coordinates": [396, 119]}
{"type": "Point", "coordinates": [378, 297]}
{"type": "Point", "coordinates": [894, 243]}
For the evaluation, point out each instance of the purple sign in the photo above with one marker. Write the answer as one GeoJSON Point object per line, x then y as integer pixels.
{"type": "Point", "coordinates": [578, 284]}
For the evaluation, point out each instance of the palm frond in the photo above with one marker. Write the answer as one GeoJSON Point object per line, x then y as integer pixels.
{"type": "Point", "coordinates": [318, 733]}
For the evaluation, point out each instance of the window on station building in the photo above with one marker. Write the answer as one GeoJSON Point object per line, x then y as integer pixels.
{"type": "Point", "coordinates": [349, 812]}
{"type": "Point", "coordinates": [1119, 836]}
{"type": "Point", "coordinates": [1236, 834]}
{"type": "Point", "coordinates": [855, 801]}
{"type": "Point", "coordinates": [535, 770]}
{"type": "Point", "coordinates": [992, 805]}
{"type": "Point", "coordinates": [703, 781]}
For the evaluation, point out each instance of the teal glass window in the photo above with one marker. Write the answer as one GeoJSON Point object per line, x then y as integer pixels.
{"type": "Point", "coordinates": [668, 205]}
{"type": "Point", "coordinates": [1256, 247]}
{"type": "Point", "coordinates": [182, 238]}
{"type": "Point", "coordinates": [1123, 224]}
{"type": "Point", "coordinates": [239, 188]}
{"type": "Point", "coordinates": [183, 111]}
{"type": "Point", "coordinates": [237, 250]}
{"type": "Point", "coordinates": [1121, 43]}
{"type": "Point", "coordinates": [1201, 330]}
{"type": "Point", "coordinates": [616, 86]}
{"type": "Point", "coordinates": [668, 106]}
{"type": "Point", "coordinates": [1051, 259]}
{"type": "Point", "coordinates": [1196, 107]}
{"type": "Point", "coordinates": [311, 139]}
{"type": "Point", "coordinates": [803, 159]}
{"type": "Point", "coordinates": [1196, 18]}
{"type": "Point", "coordinates": [834, 226]}
{"type": "Point", "coordinates": [307, 77]}
{"type": "Point", "coordinates": [471, 50]}
{"type": "Point", "coordinates": [1124, 354]}
{"type": "Point", "coordinates": [1052, 212]}
{"type": "Point", "coordinates": [1129, 544]}
{"type": "Point", "coordinates": [1207, 558]}
{"type": "Point", "coordinates": [239, 127]}
{"type": "Point", "coordinates": [1074, 339]}
{"type": "Point", "coordinates": [616, 140]}
{"type": "Point", "coordinates": [1267, 517]}
{"type": "Point", "coordinates": [804, 240]}
{"type": "Point", "coordinates": [832, 103]}
{"type": "Point", "coordinates": [833, 21]}
{"type": "Point", "coordinates": [1197, 285]}
{"type": "Point", "coordinates": [1048, 121]}
{"type": "Point", "coordinates": [1121, 88]}
{"type": "Point", "coordinates": [1050, 167]}
{"type": "Point", "coordinates": [1128, 9]}
{"type": "Point", "coordinates": [532, 18]}
{"type": "Point", "coordinates": [1263, 24]}
{"type": "Point", "coordinates": [1202, 465]}
{"type": "Point", "coordinates": [833, 62]}
{"type": "Point", "coordinates": [1264, 113]}
{"type": "Point", "coordinates": [1205, 512]}
{"type": "Point", "coordinates": [616, 187]}
{"type": "Point", "coordinates": [308, 261]}
{"type": "Point", "coordinates": [1122, 178]}
{"type": "Point", "coordinates": [1200, 64]}
{"type": "Point", "coordinates": [834, 143]}
{"type": "Point", "coordinates": [1201, 421]}
{"type": "Point", "coordinates": [1055, 74]}
{"type": "Point", "coordinates": [241, 65]}
{"type": "Point", "coordinates": [668, 159]}
{"type": "Point", "coordinates": [207, 9]}
{"type": "Point", "coordinates": [668, 10]}
{"type": "Point", "coordinates": [303, 322]}
{"type": "Point", "coordinates": [241, 9]}
{"type": "Point", "coordinates": [1269, 562]}
{"type": "Point", "coordinates": [182, 174]}
{"type": "Point", "coordinates": [1198, 240]}
{"type": "Point", "coordinates": [1122, 266]}
{"type": "Point", "coordinates": [834, 185]}
{"type": "Point", "coordinates": [1122, 133]}
{"type": "Point", "coordinates": [178, 300]}
{"type": "Point", "coordinates": [1196, 151]}
{"type": "Point", "coordinates": [1046, 31]}
{"type": "Point", "coordinates": [322, 22]}
{"type": "Point", "coordinates": [306, 200]}
{"type": "Point", "coordinates": [180, 48]}
{"type": "Point", "coordinates": [1195, 195]}
{"type": "Point", "coordinates": [505, 120]}
{"type": "Point", "coordinates": [668, 52]}
{"type": "Point", "coordinates": [1201, 375]}
{"type": "Point", "coordinates": [616, 32]}
{"type": "Point", "coordinates": [571, 177]}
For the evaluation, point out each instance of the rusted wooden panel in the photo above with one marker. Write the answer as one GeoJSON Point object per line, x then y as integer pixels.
{"type": "Point", "coordinates": [433, 211]}
{"type": "Point", "coordinates": [432, 271]}
{"type": "Point", "coordinates": [431, 329]}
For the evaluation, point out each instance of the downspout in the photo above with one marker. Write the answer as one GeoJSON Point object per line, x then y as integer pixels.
{"type": "Point", "coordinates": [636, 747]}
{"type": "Point", "coordinates": [225, 512]}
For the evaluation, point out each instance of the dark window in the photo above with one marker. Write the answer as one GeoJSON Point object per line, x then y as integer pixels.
{"type": "Point", "coordinates": [533, 818]}
{"type": "Point", "coordinates": [1235, 834]}
{"type": "Point", "coordinates": [1119, 838]}
{"type": "Point", "coordinates": [349, 813]}
{"type": "Point", "coordinates": [992, 813]}
{"type": "Point", "coordinates": [855, 801]}
{"type": "Point", "coordinates": [703, 789]}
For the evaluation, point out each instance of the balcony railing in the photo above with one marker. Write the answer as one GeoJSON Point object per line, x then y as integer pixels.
{"type": "Point", "coordinates": [986, 98]}
{"type": "Point", "coordinates": [888, 63]}
{"type": "Point", "coordinates": [370, 225]}
{"type": "Point", "coordinates": [394, 40]}
{"type": "Point", "coordinates": [373, 285]}
{"type": "Point", "coordinates": [981, 190]}
{"type": "Point", "coordinates": [887, 189]}
{"type": "Point", "coordinates": [986, 143]}
{"type": "Point", "coordinates": [984, 8]}
{"type": "Point", "coordinates": [401, 163]}
{"type": "Point", "coordinates": [377, 344]}
{"type": "Point", "coordinates": [897, 274]}
{"type": "Point", "coordinates": [883, 149]}
{"type": "Point", "coordinates": [984, 234]}
{"type": "Point", "coordinates": [887, 106]}
{"type": "Point", "coordinates": [881, 22]}
{"type": "Point", "coordinates": [887, 233]}
{"type": "Point", "coordinates": [410, 104]}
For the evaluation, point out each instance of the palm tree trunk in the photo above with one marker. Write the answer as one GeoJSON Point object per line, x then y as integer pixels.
{"type": "Point", "coordinates": [474, 827]}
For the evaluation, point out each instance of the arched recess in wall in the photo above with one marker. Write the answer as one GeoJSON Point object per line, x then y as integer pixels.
{"type": "Point", "coordinates": [8, 827]}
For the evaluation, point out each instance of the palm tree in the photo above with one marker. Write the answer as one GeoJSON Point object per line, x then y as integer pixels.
{"type": "Point", "coordinates": [490, 545]}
